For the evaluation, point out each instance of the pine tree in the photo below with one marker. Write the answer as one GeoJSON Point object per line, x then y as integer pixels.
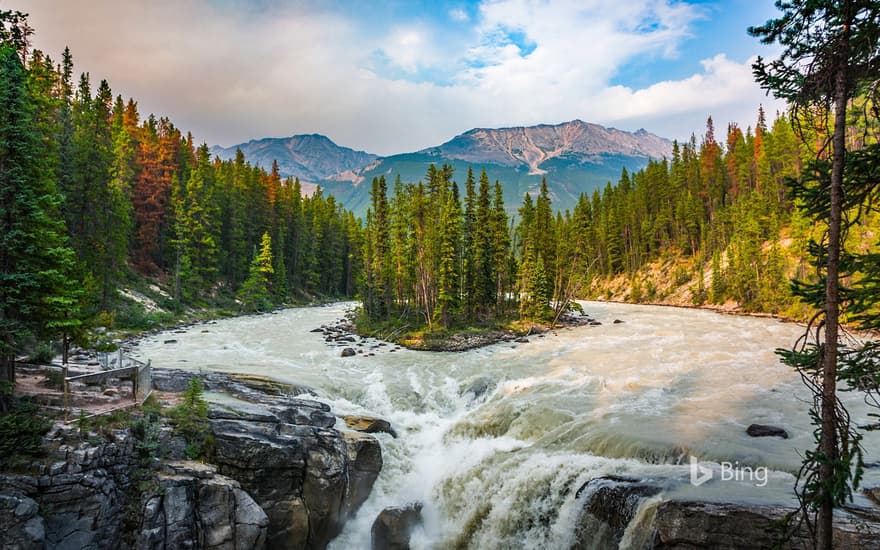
{"type": "Point", "coordinates": [255, 293]}
{"type": "Point", "coordinates": [830, 56]}
{"type": "Point", "coordinates": [37, 294]}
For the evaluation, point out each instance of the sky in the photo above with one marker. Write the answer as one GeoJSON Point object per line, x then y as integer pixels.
{"type": "Point", "coordinates": [398, 76]}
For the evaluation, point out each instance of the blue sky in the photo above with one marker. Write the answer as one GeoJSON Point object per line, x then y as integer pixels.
{"type": "Point", "coordinates": [399, 76]}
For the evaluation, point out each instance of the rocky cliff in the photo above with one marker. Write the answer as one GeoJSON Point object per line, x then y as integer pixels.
{"type": "Point", "coordinates": [532, 146]}
{"type": "Point", "coordinates": [280, 476]}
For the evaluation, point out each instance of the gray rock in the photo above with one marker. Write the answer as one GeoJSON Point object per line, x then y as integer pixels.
{"type": "Point", "coordinates": [22, 525]}
{"type": "Point", "coordinates": [686, 525]}
{"type": "Point", "coordinates": [393, 526]}
{"type": "Point", "coordinates": [302, 476]}
{"type": "Point", "coordinates": [478, 387]}
{"type": "Point", "coordinates": [761, 430]}
{"type": "Point", "coordinates": [610, 503]}
{"type": "Point", "coordinates": [365, 460]}
{"type": "Point", "coordinates": [348, 352]}
{"type": "Point", "coordinates": [193, 507]}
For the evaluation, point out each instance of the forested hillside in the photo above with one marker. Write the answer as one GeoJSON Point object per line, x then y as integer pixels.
{"type": "Point", "coordinates": [714, 224]}
{"type": "Point", "coordinates": [96, 199]}
{"type": "Point", "coordinates": [719, 207]}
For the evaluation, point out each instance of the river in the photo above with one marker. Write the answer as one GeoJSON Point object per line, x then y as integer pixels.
{"type": "Point", "coordinates": [500, 469]}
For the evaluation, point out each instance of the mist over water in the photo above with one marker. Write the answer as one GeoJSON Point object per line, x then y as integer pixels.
{"type": "Point", "coordinates": [501, 468]}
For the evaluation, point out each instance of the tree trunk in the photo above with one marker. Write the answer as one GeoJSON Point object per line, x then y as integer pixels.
{"type": "Point", "coordinates": [7, 381]}
{"type": "Point", "coordinates": [828, 443]}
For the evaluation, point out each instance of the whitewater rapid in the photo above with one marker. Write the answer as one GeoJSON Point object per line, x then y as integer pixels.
{"type": "Point", "coordinates": [501, 468]}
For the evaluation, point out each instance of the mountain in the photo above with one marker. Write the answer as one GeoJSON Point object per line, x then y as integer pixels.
{"type": "Point", "coordinates": [536, 145]}
{"type": "Point", "coordinates": [576, 157]}
{"type": "Point", "coordinates": [309, 157]}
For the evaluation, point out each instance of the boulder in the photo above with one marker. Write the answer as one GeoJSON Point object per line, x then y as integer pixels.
{"type": "Point", "coordinates": [478, 387]}
{"type": "Point", "coordinates": [688, 524]}
{"type": "Point", "coordinates": [348, 352]}
{"type": "Point", "coordinates": [610, 504]}
{"type": "Point", "coordinates": [365, 460]}
{"type": "Point", "coordinates": [392, 528]}
{"type": "Point", "coordinates": [369, 424]}
{"type": "Point", "coordinates": [762, 430]}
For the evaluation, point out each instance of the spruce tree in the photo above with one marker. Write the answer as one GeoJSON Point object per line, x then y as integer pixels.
{"type": "Point", "coordinates": [38, 296]}
{"type": "Point", "coordinates": [255, 294]}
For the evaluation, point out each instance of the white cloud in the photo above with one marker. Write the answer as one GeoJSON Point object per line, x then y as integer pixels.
{"type": "Point", "coordinates": [458, 14]}
{"type": "Point", "coordinates": [230, 76]}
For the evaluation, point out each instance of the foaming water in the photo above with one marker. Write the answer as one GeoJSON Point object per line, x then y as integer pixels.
{"type": "Point", "coordinates": [495, 442]}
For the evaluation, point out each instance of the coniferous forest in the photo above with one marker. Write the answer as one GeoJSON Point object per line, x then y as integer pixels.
{"type": "Point", "coordinates": [122, 200]}
{"type": "Point", "coordinates": [96, 197]}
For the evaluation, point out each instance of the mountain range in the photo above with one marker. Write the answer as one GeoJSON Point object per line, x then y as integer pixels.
{"type": "Point", "coordinates": [575, 157]}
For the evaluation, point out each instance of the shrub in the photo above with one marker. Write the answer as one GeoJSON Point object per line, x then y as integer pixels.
{"type": "Point", "coordinates": [190, 419]}
{"type": "Point", "coordinates": [54, 379]}
{"type": "Point", "coordinates": [21, 433]}
{"type": "Point", "coordinates": [42, 353]}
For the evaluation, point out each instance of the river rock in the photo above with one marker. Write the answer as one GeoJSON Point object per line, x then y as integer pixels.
{"type": "Point", "coordinates": [348, 352]}
{"type": "Point", "coordinates": [369, 424]}
{"type": "Point", "coordinates": [392, 528]}
{"type": "Point", "coordinates": [477, 388]}
{"type": "Point", "coordinates": [684, 525]}
{"type": "Point", "coordinates": [610, 504]}
{"type": "Point", "coordinates": [761, 430]}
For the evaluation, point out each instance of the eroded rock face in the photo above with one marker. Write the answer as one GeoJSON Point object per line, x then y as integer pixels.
{"type": "Point", "coordinates": [306, 476]}
{"type": "Point", "coordinates": [76, 499]}
{"type": "Point", "coordinates": [394, 525]}
{"type": "Point", "coordinates": [686, 525]}
{"type": "Point", "coordinates": [610, 504]}
{"type": "Point", "coordinates": [194, 507]}
{"type": "Point", "coordinates": [284, 478]}
{"type": "Point", "coordinates": [22, 525]}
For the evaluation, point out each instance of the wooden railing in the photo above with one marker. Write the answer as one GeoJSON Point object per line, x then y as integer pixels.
{"type": "Point", "coordinates": [140, 375]}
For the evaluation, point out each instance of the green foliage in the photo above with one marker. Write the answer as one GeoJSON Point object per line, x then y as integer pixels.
{"type": "Point", "coordinates": [830, 56]}
{"type": "Point", "coordinates": [133, 316]}
{"type": "Point", "coordinates": [82, 423]}
{"type": "Point", "coordinates": [255, 293]}
{"type": "Point", "coordinates": [54, 379]}
{"type": "Point", "coordinates": [21, 434]}
{"type": "Point", "coordinates": [190, 420]}
{"type": "Point", "coordinates": [42, 353]}
{"type": "Point", "coordinates": [146, 431]}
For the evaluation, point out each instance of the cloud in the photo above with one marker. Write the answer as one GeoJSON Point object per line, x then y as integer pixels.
{"type": "Point", "coordinates": [231, 72]}
{"type": "Point", "coordinates": [458, 14]}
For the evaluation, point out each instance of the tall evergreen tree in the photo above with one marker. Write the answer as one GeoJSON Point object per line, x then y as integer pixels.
{"type": "Point", "coordinates": [831, 54]}
{"type": "Point", "coordinates": [37, 294]}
